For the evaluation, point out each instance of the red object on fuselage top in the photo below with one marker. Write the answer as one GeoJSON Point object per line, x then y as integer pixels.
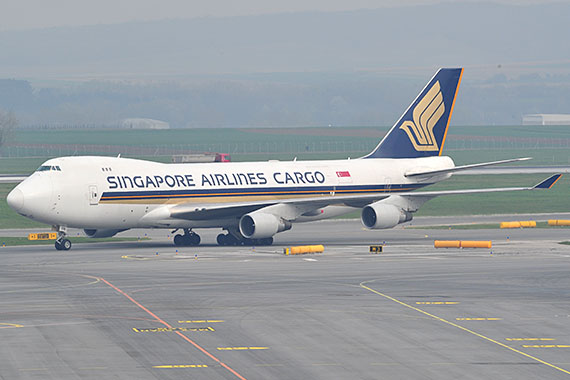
{"type": "Point", "coordinates": [223, 157]}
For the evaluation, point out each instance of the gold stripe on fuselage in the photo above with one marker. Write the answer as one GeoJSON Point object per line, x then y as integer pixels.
{"type": "Point", "coordinates": [223, 198]}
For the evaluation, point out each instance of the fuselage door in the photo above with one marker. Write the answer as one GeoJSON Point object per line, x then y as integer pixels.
{"type": "Point", "coordinates": [93, 195]}
{"type": "Point", "coordinates": [388, 183]}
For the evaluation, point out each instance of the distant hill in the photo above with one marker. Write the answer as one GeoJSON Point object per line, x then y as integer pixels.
{"type": "Point", "coordinates": [297, 69]}
{"type": "Point", "coordinates": [410, 37]}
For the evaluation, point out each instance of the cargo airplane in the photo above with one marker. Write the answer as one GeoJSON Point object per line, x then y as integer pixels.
{"type": "Point", "coordinates": [254, 201]}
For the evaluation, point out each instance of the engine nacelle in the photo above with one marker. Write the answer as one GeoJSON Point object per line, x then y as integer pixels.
{"type": "Point", "coordinates": [383, 215]}
{"type": "Point", "coordinates": [92, 233]}
{"type": "Point", "coordinates": [258, 225]}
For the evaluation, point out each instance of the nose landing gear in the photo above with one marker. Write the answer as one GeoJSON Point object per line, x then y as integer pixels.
{"type": "Point", "coordinates": [61, 243]}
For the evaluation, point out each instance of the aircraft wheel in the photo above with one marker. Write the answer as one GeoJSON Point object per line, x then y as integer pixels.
{"type": "Point", "coordinates": [221, 239]}
{"type": "Point", "coordinates": [66, 244]}
{"type": "Point", "coordinates": [194, 239]}
{"type": "Point", "coordinates": [58, 246]}
{"type": "Point", "coordinates": [178, 240]}
{"type": "Point", "coordinates": [232, 240]}
{"type": "Point", "coordinates": [267, 241]}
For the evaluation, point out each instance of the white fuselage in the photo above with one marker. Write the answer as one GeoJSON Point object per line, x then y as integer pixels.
{"type": "Point", "coordinates": [120, 193]}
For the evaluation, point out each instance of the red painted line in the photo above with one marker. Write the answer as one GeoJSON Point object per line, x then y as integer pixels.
{"type": "Point", "coordinates": [177, 332]}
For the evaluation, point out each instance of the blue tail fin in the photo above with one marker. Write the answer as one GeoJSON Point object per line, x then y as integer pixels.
{"type": "Point", "coordinates": [421, 130]}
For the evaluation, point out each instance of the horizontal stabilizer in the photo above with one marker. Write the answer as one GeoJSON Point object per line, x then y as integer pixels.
{"type": "Point", "coordinates": [549, 182]}
{"type": "Point", "coordinates": [464, 167]}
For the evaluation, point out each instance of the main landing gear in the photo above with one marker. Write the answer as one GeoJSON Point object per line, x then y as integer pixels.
{"type": "Point", "coordinates": [189, 238]}
{"type": "Point", "coordinates": [231, 239]}
{"type": "Point", "coordinates": [61, 243]}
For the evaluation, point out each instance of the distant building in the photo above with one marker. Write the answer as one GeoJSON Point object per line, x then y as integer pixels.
{"type": "Point", "coordinates": [546, 119]}
{"type": "Point", "coordinates": [139, 123]}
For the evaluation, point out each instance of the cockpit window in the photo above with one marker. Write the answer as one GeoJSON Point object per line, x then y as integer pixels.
{"type": "Point", "coordinates": [45, 168]}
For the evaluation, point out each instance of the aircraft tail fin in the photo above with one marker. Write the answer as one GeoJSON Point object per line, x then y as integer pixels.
{"type": "Point", "coordinates": [422, 129]}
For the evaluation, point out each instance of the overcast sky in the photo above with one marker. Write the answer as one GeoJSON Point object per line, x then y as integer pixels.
{"type": "Point", "coordinates": [32, 14]}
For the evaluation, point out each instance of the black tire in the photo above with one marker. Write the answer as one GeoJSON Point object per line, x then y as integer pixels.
{"type": "Point", "coordinates": [58, 246]}
{"type": "Point", "coordinates": [194, 239]}
{"type": "Point", "coordinates": [221, 239]}
{"type": "Point", "coordinates": [178, 240]}
{"type": "Point", "coordinates": [267, 241]}
{"type": "Point", "coordinates": [66, 244]}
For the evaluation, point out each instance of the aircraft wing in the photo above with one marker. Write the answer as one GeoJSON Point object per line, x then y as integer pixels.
{"type": "Point", "coordinates": [303, 205]}
{"type": "Point", "coordinates": [222, 210]}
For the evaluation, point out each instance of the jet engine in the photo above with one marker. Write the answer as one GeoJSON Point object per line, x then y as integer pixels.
{"type": "Point", "coordinates": [383, 215]}
{"type": "Point", "coordinates": [92, 233]}
{"type": "Point", "coordinates": [258, 225]}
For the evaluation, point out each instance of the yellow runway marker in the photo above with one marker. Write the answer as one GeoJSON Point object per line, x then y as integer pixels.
{"type": "Point", "coordinates": [436, 303]}
{"type": "Point", "coordinates": [9, 325]}
{"type": "Point", "coordinates": [517, 339]}
{"type": "Point", "coordinates": [478, 319]}
{"type": "Point", "coordinates": [362, 285]}
{"type": "Point", "coordinates": [203, 321]}
{"type": "Point", "coordinates": [546, 346]}
{"type": "Point", "coordinates": [181, 366]}
{"type": "Point", "coordinates": [241, 348]}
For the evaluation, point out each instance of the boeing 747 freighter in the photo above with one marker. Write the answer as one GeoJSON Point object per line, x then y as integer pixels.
{"type": "Point", "coordinates": [253, 201]}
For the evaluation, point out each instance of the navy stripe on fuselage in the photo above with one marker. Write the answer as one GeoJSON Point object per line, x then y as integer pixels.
{"type": "Point", "coordinates": [248, 191]}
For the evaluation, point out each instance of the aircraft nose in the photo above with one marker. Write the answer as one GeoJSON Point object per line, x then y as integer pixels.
{"type": "Point", "coordinates": [32, 197]}
{"type": "Point", "coordinates": [15, 199]}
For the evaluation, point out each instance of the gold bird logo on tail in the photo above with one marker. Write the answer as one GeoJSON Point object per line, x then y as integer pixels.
{"type": "Point", "coordinates": [426, 114]}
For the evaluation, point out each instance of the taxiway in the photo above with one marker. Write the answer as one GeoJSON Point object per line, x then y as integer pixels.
{"type": "Point", "coordinates": [145, 310]}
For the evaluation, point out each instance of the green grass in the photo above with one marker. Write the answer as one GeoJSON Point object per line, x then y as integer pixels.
{"type": "Point", "coordinates": [179, 136]}
{"type": "Point", "coordinates": [241, 135]}
{"type": "Point", "coordinates": [287, 143]}
{"type": "Point", "coordinates": [10, 241]}
{"type": "Point", "coordinates": [565, 242]}
{"type": "Point", "coordinates": [476, 226]}
{"type": "Point", "coordinates": [481, 226]}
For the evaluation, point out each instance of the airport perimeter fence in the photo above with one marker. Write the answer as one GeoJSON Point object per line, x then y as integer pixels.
{"type": "Point", "coordinates": [454, 143]}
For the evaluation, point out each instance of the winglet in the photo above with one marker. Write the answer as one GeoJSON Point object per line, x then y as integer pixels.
{"type": "Point", "coordinates": [549, 182]}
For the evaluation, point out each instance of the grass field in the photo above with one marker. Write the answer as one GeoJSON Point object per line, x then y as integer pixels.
{"type": "Point", "coordinates": [261, 135]}
{"type": "Point", "coordinates": [554, 200]}
{"type": "Point", "coordinates": [478, 226]}
{"type": "Point", "coordinates": [10, 241]}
